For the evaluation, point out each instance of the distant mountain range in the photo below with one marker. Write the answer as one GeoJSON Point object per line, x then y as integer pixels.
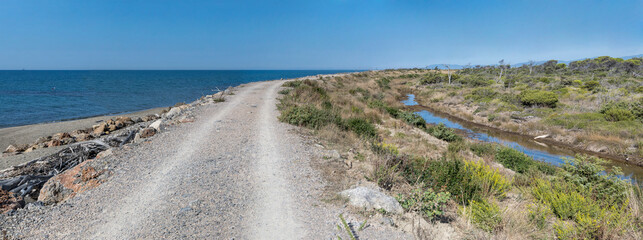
{"type": "Point", "coordinates": [457, 66]}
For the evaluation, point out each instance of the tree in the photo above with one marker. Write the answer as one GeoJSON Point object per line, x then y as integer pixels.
{"type": "Point", "coordinates": [531, 65]}
{"type": "Point", "coordinates": [448, 71]}
{"type": "Point", "coordinates": [501, 65]}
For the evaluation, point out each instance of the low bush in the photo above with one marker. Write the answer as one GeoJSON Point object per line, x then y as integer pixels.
{"type": "Point", "coordinates": [538, 98]}
{"type": "Point", "coordinates": [514, 159]}
{"type": "Point", "coordinates": [384, 82]}
{"type": "Point", "coordinates": [292, 84]}
{"type": "Point", "coordinates": [591, 86]}
{"type": "Point", "coordinates": [443, 133]}
{"type": "Point", "coordinates": [361, 127]}
{"type": "Point", "coordinates": [427, 202]}
{"type": "Point", "coordinates": [596, 201]}
{"type": "Point", "coordinates": [485, 215]}
{"type": "Point", "coordinates": [482, 149]}
{"type": "Point", "coordinates": [466, 181]}
{"type": "Point", "coordinates": [619, 111]}
{"type": "Point", "coordinates": [308, 116]}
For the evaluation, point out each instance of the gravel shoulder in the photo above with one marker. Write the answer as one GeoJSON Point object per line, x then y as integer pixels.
{"type": "Point", "coordinates": [236, 172]}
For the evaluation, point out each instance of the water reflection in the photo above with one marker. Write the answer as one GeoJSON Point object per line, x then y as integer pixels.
{"type": "Point", "coordinates": [537, 150]}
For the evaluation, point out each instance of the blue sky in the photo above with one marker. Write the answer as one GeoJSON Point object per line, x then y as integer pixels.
{"type": "Point", "coordinates": [310, 34]}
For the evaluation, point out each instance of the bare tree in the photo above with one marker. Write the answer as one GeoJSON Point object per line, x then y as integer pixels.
{"type": "Point", "coordinates": [531, 65]}
{"type": "Point", "coordinates": [501, 65]}
{"type": "Point", "coordinates": [448, 71]}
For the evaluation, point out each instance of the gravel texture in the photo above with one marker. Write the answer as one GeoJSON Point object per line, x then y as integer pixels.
{"type": "Point", "coordinates": [236, 172]}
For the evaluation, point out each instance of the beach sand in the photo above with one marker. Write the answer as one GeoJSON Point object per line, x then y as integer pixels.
{"type": "Point", "coordinates": [29, 133]}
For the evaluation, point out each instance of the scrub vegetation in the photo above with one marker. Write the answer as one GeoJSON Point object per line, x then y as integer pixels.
{"type": "Point", "coordinates": [480, 190]}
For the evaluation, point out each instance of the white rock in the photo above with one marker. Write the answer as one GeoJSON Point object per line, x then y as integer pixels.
{"type": "Point", "coordinates": [365, 197]}
{"type": "Point", "coordinates": [173, 112]}
{"type": "Point", "coordinates": [157, 125]}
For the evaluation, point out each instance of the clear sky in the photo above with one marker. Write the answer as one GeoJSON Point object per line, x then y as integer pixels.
{"type": "Point", "coordinates": [368, 34]}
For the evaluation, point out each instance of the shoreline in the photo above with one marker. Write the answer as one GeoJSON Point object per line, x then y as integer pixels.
{"type": "Point", "coordinates": [26, 134]}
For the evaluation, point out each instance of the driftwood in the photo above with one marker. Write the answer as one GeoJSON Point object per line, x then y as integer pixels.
{"type": "Point", "coordinates": [25, 178]}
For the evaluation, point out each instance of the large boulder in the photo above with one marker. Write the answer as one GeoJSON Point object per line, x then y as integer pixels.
{"type": "Point", "coordinates": [71, 182]}
{"type": "Point", "coordinates": [100, 128]}
{"type": "Point", "coordinates": [369, 198]}
{"type": "Point", "coordinates": [10, 201]}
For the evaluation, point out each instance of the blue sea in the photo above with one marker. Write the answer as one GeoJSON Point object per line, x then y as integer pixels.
{"type": "Point", "coordinates": [28, 97]}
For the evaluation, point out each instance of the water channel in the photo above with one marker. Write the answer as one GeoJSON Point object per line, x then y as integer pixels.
{"type": "Point", "coordinates": [537, 150]}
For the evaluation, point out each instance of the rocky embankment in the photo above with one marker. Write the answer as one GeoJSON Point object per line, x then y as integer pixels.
{"type": "Point", "coordinates": [81, 164]}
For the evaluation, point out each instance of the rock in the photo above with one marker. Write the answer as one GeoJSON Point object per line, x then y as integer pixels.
{"type": "Point", "coordinates": [387, 221]}
{"type": "Point", "coordinates": [61, 136]}
{"type": "Point", "coordinates": [100, 128]}
{"type": "Point", "coordinates": [364, 197]}
{"type": "Point", "coordinates": [147, 132]}
{"type": "Point", "coordinates": [595, 147]}
{"type": "Point", "coordinates": [43, 140]}
{"type": "Point", "coordinates": [137, 120]}
{"type": "Point", "coordinates": [149, 118]}
{"type": "Point", "coordinates": [173, 112]}
{"type": "Point", "coordinates": [10, 201]}
{"type": "Point", "coordinates": [335, 154]}
{"type": "Point", "coordinates": [71, 182]}
{"type": "Point", "coordinates": [31, 148]}
{"type": "Point", "coordinates": [157, 125]}
{"type": "Point", "coordinates": [54, 143]}
{"type": "Point", "coordinates": [12, 149]}
{"type": "Point", "coordinates": [83, 137]}
{"type": "Point", "coordinates": [105, 153]}
{"type": "Point", "coordinates": [126, 121]}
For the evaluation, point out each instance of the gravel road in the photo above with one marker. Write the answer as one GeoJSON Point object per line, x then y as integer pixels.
{"type": "Point", "coordinates": [234, 173]}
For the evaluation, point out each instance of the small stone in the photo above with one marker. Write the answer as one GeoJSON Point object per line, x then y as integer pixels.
{"type": "Point", "coordinates": [147, 132]}
{"type": "Point", "coordinates": [104, 153]}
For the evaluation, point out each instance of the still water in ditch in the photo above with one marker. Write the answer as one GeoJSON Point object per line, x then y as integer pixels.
{"type": "Point", "coordinates": [540, 151]}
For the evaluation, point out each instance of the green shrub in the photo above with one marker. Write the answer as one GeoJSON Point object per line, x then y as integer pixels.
{"type": "Point", "coordinates": [361, 127]}
{"type": "Point", "coordinates": [587, 173]}
{"type": "Point", "coordinates": [619, 111]}
{"type": "Point", "coordinates": [485, 215]}
{"type": "Point", "coordinates": [412, 119]}
{"type": "Point", "coordinates": [427, 202]}
{"type": "Point", "coordinates": [482, 149]}
{"type": "Point", "coordinates": [384, 82]}
{"type": "Point", "coordinates": [482, 94]}
{"type": "Point", "coordinates": [538, 98]}
{"type": "Point", "coordinates": [308, 116]}
{"type": "Point", "coordinates": [466, 181]}
{"type": "Point", "coordinates": [284, 91]}
{"type": "Point", "coordinates": [592, 86]}
{"type": "Point", "coordinates": [443, 133]}
{"type": "Point", "coordinates": [292, 84]}
{"type": "Point", "coordinates": [514, 159]}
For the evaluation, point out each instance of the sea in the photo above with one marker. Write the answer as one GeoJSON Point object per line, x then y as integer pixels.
{"type": "Point", "coordinates": [30, 97]}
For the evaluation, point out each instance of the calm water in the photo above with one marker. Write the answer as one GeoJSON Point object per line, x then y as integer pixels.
{"type": "Point", "coordinates": [28, 97]}
{"type": "Point", "coordinates": [537, 150]}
